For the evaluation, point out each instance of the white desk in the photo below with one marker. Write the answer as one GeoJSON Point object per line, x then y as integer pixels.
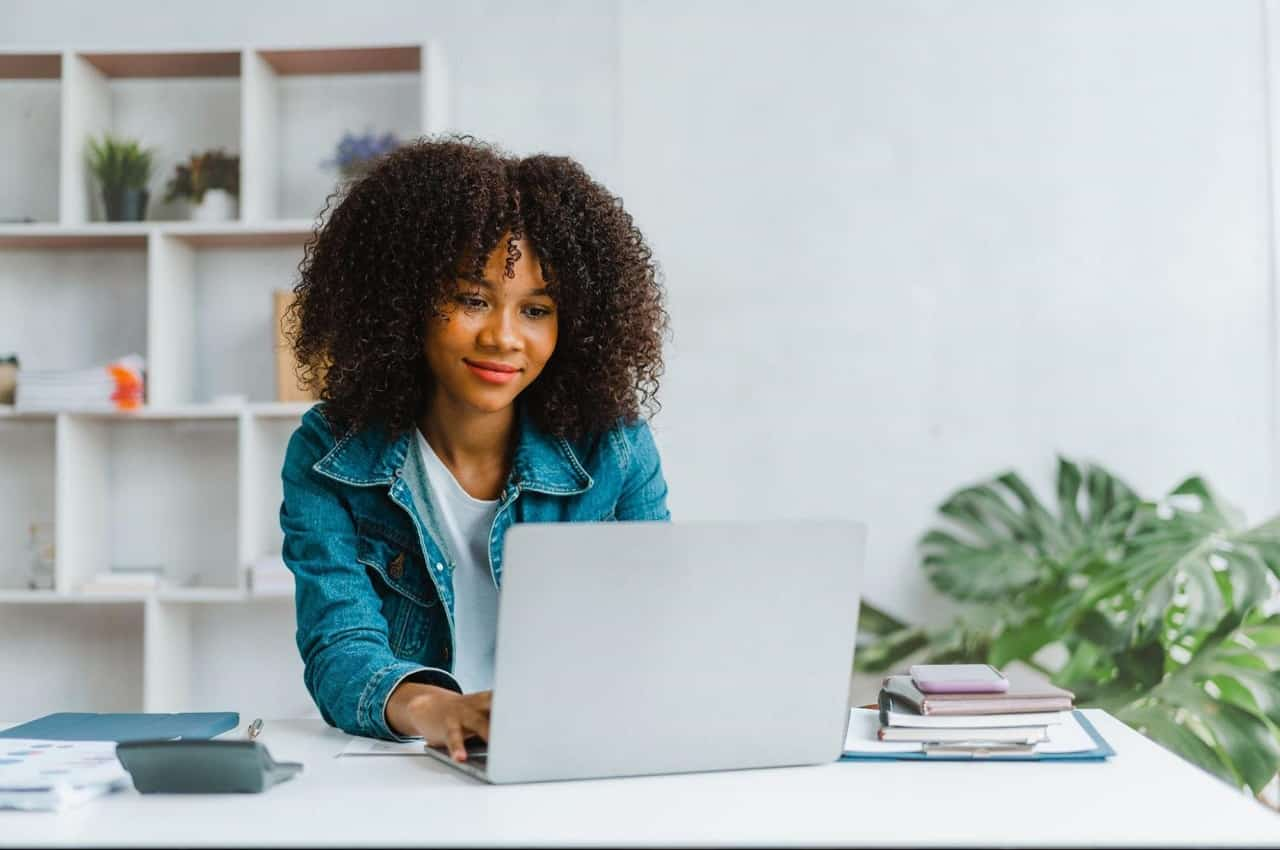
{"type": "Point", "coordinates": [1144, 795]}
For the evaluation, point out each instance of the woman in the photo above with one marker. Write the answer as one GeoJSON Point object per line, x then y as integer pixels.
{"type": "Point", "coordinates": [486, 331]}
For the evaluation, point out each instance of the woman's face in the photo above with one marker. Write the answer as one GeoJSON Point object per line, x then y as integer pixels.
{"type": "Point", "coordinates": [496, 336]}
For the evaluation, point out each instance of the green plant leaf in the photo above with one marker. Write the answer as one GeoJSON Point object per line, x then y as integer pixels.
{"type": "Point", "coordinates": [1156, 607]}
{"type": "Point", "coordinates": [889, 650]}
{"type": "Point", "coordinates": [119, 163]}
{"type": "Point", "coordinates": [1158, 725]}
{"type": "Point", "coordinates": [1236, 722]}
{"type": "Point", "coordinates": [877, 621]}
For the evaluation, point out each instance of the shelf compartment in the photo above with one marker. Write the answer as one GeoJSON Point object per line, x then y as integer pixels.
{"type": "Point", "coordinates": [27, 466]}
{"type": "Point", "coordinates": [125, 495]}
{"type": "Point", "coordinates": [248, 650]}
{"type": "Point", "coordinates": [174, 102]}
{"type": "Point", "coordinates": [83, 657]}
{"type": "Point", "coordinates": [31, 101]}
{"type": "Point", "coordinates": [80, 308]}
{"type": "Point", "coordinates": [231, 349]}
{"type": "Point", "coordinates": [298, 103]}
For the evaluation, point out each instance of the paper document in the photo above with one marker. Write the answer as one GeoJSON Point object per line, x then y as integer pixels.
{"type": "Point", "coordinates": [377, 747]}
{"type": "Point", "coordinates": [52, 775]}
{"type": "Point", "coordinates": [1067, 736]}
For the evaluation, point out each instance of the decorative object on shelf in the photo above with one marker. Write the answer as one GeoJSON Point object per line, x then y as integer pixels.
{"type": "Point", "coordinates": [355, 155]}
{"type": "Point", "coordinates": [40, 556]}
{"type": "Point", "coordinates": [118, 385]}
{"type": "Point", "coordinates": [123, 169]}
{"type": "Point", "coordinates": [287, 384]}
{"type": "Point", "coordinates": [8, 378]}
{"type": "Point", "coordinates": [210, 182]}
{"type": "Point", "coordinates": [1159, 611]}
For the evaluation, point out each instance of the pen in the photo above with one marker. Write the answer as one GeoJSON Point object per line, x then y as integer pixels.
{"type": "Point", "coordinates": [255, 729]}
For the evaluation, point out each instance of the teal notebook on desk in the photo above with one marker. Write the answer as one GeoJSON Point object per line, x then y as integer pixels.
{"type": "Point", "coordinates": [76, 726]}
{"type": "Point", "coordinates": [1082, 743]}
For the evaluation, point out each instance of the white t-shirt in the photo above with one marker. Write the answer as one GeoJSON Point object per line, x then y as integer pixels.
{"type": "Point", "coordinates": [467, 522]}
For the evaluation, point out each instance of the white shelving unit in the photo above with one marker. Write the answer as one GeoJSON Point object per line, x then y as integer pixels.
{"type": "Point", "coordinates": [188, 482]}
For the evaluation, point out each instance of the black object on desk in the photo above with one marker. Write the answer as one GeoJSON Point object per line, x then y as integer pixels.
{"type": "Point", "coordinates": [203, 767]}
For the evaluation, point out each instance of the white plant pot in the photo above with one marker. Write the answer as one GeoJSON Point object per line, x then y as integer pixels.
{"type": "Point", "coordinates": [217, 205]}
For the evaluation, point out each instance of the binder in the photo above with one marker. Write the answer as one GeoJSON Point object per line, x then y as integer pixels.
{"type": "Point", "coordinates": [79, 726]}
{"type": "Point", "coordinates": [1101, 751]}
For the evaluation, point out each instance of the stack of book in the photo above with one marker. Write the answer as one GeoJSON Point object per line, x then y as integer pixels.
{"type": "Point", "coordinates": [114, 386]}
{"type": "Point", "coordinates": [1016, 719]}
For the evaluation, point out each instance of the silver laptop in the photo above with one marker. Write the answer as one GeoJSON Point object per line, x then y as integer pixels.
{"type": "Point", "coordinates": [638, 648]}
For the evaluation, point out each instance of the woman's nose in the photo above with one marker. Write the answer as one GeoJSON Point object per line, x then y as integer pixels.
{"type": "Point", "coordinates": [499, 332]}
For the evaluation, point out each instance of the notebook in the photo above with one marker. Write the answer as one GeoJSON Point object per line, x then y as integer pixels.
{"type": "Point", "coordinates": [1076, 740]}
{"type": "Point", "coordinates": [77, 726]}
{"type": "Point", "coordinates": [894, 712]}
{"type": "Point", "coordinates": [1025, 694]}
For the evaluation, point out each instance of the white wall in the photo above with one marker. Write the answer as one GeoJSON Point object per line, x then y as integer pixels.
{"type": "Point", "coordinates": [910, 244]}
{"type": "Point", "coordinates": [907, 244]}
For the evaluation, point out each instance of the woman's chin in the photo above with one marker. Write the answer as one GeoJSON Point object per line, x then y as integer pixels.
{"type": "Point", "coordinates": [491, 402]}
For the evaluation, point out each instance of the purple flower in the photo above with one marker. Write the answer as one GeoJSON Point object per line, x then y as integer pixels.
{"type": "Point", "coordinates": [353, 150]}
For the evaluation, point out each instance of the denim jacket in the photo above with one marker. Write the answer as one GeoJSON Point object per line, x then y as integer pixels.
{"type": "Point", "coordinates": [374, 576]}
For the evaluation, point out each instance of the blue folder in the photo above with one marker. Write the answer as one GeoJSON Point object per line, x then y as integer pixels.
{"type": "Point", "coordinates": [1102, 750]}
{"type": "Point", "coordinates": [73, 726]}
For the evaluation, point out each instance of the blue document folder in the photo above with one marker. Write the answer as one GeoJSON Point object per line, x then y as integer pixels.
{"type": "Point", "coordinates": [74, 726]}
{"type": "Point", "coordinates": [1102, 750]}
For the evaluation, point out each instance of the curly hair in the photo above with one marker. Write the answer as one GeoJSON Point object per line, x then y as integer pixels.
{"type": "Point", "coordinates": [397, 240]}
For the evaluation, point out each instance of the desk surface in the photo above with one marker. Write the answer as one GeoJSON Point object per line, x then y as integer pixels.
{"type": "Point", "coordinates": [1144, 796]}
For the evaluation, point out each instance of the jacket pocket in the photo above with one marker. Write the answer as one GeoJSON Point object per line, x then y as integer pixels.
{"type": "Point", "coordinates": [399, 575]}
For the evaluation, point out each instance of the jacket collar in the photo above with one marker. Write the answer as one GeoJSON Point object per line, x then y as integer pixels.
{"type": "Point", "coordinates": [374, 456]}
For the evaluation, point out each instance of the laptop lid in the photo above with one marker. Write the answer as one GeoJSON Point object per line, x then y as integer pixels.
{"type": "Point", "coordinates": [639, 648]}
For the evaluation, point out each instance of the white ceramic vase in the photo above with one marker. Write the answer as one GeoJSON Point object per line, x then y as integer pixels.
{"type": "Point", "coordinates": [217, 205]}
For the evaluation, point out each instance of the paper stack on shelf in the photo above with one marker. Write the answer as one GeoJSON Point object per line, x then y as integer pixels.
{"type": "Point", "coordinates": [38, 775]}
{"type": "Point", "coordinates": [117, 385]}
{"type": "Point", "coordinates": [109, 582]}
{"type": "Point", "coordinates": [268, 576]}
{"type": "Point", "coordinates": [121, 579]}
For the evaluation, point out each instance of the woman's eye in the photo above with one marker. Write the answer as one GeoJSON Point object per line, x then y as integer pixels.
{"type": "Point", "coordinates": [537, 312]}
{"type": "Point", "coordinates": [471, 302]}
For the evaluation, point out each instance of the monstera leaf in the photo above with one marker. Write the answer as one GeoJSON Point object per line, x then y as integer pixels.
{"type": "Point", "coordinates": [1222, 709]}
{"type": "Point", "coordinates": [1154, 608]}
{"type": "Point", "coordinates": [1007, 541]}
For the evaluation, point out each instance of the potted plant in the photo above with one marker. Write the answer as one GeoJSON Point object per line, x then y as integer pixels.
{"type": "Point", "coordinates": [122, 168]}
{"type": "Point", "coordinates": [1160, 611]}
{"type": "Point", "coordinates": [210, 182]}
{"type": "Point", "coordinates": [355, 155]}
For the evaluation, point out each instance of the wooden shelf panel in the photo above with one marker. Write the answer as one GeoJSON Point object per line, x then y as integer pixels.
{"type": "Point", "coordinates": [168, 64]}
{"type": "Point", "coordinates": [257, 409]}
{"type": "Point", "coordinates": [175, 595]}
{"type": "Point", "coordinates": [133, 235]}
{"type": "Point", "coordinates": [340, 60]}
{"type": "Point", "coordinates": [50, 597]}
{"type": "Point", "coordinates": [89, 236]}
{"type": "Point", "coordinates": [30, 66]}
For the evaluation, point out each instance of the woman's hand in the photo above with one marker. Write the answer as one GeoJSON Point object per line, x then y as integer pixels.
{"type": "Point", "coordinates": [441, 716]}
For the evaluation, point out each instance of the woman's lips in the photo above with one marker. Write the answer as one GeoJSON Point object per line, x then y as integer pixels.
{"type": "Point", "coordinates": [492, 375]}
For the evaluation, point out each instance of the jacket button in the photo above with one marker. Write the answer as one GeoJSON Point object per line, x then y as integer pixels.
{"type": "Point", "coordinates": [397, 566]}
{"type": "Point", "coordinates": [439, 567]}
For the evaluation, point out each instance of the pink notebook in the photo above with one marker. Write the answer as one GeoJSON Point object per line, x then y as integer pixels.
{"type": "Point", "coordinates": [1026, 693]}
